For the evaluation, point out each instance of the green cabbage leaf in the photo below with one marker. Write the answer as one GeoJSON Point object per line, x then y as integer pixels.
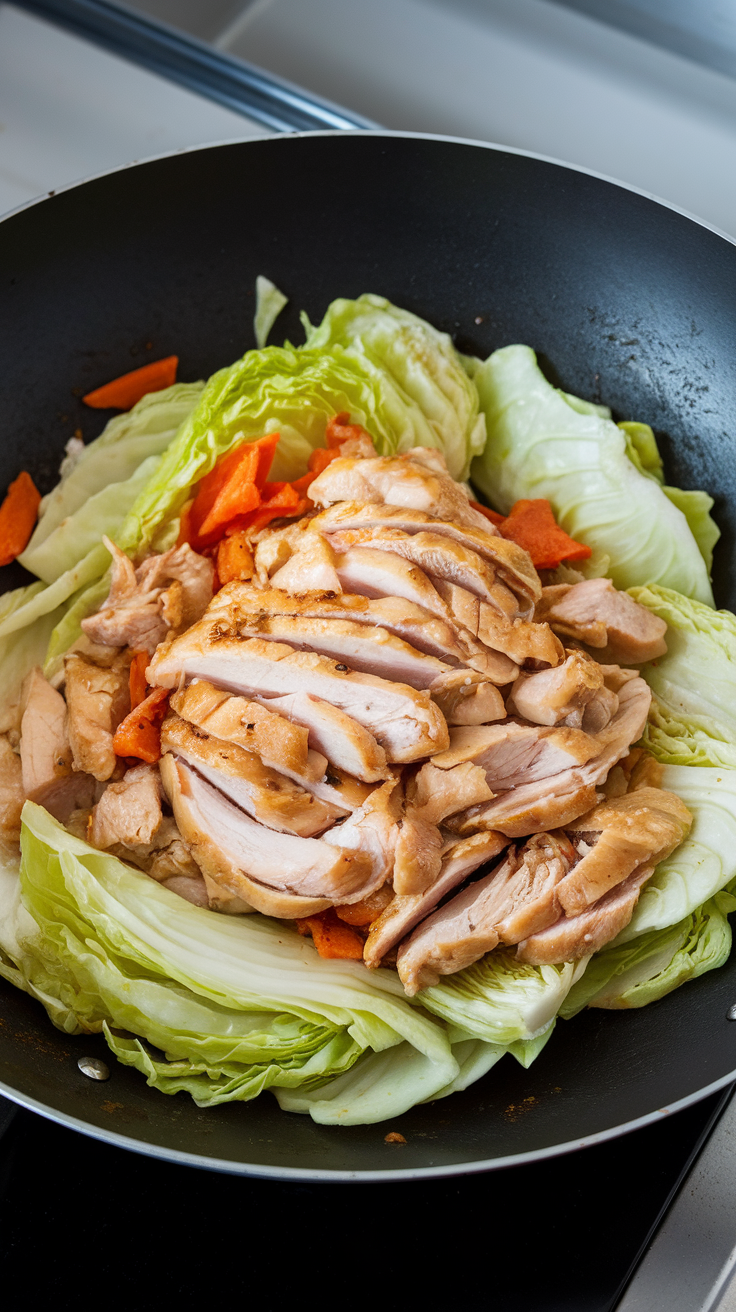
{"type": "Point", "coordinates": [419, 364]}
{"type": "Point", "coordinates": [20, 651]}
{"type": "Point", "coordinates": [220, 1006]}
{"type": "Point", "coordinates": [541, 445]}
{"type": "Point", "coordinates": [269, 304]}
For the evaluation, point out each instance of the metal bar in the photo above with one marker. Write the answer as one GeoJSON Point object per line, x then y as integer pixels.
{"type": "Point", "coordinates": [192, 64]}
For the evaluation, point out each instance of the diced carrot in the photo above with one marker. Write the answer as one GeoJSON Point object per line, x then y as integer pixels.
{"type": "Point", "coordinates": [234, 558]}
{"type": "Point", "coordinates": [280, 501]}
{"type": "Point", "coordinates": [368, 909]}
{"type": "Point", "coordinates": [123, 393]}
{"type": "Point", "coordinates": [300, 485]}
{"type": "Point", "coordinates": [185, 526]}
{"type": "Point", "coordinates": [321, 458]}
{"type": "Point", "coordinates": [532, 525]}
{"type": "Point", "coordinates": [18, 514]}
{"type": "Point", "coordinates": [331, 937]}
{"type": "Point", "coordinates": [139, 734]}
{"type": "Point", "coordinates": [493, 515]}
{"type": "Point", "coordinates": [339, 429]}
{"type": "Point", "coordinates": [138, 684]}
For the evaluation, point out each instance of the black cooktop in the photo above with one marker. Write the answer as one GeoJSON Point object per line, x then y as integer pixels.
{"type": "Point", "coordinates": [82, 1222]}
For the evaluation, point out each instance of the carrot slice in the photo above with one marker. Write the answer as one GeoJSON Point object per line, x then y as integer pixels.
{"type": "Point", "coordinates": [493, 515]}
{"type": "Point", "coordinates": [532, 525]}
{"type": "Point", "coordinates": [139, 734]}
{"type": "Point", "coordinates": [231, 489]}
{"type": "Point", "coordinates": [138, 683]}
{"type": "Point", "coordinates": [18, 514]}
{"type": "Point", "coordinates": [234, 558]}
{"type": "Point", "coordinates": [123, 393]}
{"type": "Point", "coordinates": [280, 501]}
{"type": "Point", "coordinates": [368, 909]}
{"type": "Point", "coordinates": [321, 458]}
{"type": "Point", "coordinates": [339, 429]}
{"type": "Point", "coordinates": [331, 937]}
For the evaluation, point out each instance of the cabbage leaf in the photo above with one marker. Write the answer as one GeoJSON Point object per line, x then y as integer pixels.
{"type": "Point", "coordinates": [269, 304]}
{"type": "Point", "coordinates": [540, 445]}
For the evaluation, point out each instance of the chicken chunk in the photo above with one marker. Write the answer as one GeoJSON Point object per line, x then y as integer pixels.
{"type": "Point", "coordinates": [48, 773]}
{"type": "Point", "coordinates": [129, 812]}
{"type": "Point", "coordinates": [396, 481]}
{"type": "Point", "coordinates": [569, 939]}
{"type": "Point", "coordinates": [521, 641]}
{"type": "Point", "coordinates": [97, 700]}
{"type": "Point", "coordinates": [336, 736]}
{"type": "Point", "coordinates": [573, 694]}
{"type": "Point", "coordinates": [168, 591]}
{"type": "Point", "coordinates": [466, 697]}
{"type": "Point", "coordinates": [12, 794]}
{"type": "Point", "coordinates": [279, 743]}
{"type": "Point", "coordinates": [312, 568]}
{"type": "Point", "coordinates": [431, 797]}
{"type": "Point", "coordinates": [614, 839]}
{"type": "Point", "coordinates": [594, 612]}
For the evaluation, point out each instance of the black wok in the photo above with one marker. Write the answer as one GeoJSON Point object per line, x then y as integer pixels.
{"type": "Point", "coordinates": [626, 300]}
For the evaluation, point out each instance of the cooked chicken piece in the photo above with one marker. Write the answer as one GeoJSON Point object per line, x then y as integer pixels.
{"type": "Point", "coordinates": [340, 789]}
{"type": "Point", "coordinates": [466, 697]}
{"type": "Point", "coordinates": [519, 640]}
{"type": "Point", "coordinates": [49, 777]}
{"type": "Point", "coordinates": [276, 546]}
{"type": "Point", "coordinates": [312, 568]}
{"type": "Point", "coordinates": [571, 939]}
{"type": "Point", "coordinates": [337, 736]}
{"type": "Point", "coordinates": [594, 612]}
{"type": "Point", "coordinates": [513, 565]}
{"type": "Point", "coordinates": [279, 743]}
{"type": "Point", "coordinates": [129, 812]}
{"type": "Point", "coordinates": [97, 699]}
{"type": "Point", "coordinates": [431, 797]}
{"type": "Point", "coordinates": [12, 793]}
{"type": "Point", "coordinates": [396, 481]}
{"type": "Point", "coordinates": [174, 858]}
{"type": "Point", "coordinates": [268, 796]}
{"type": "Point", "coordinates": [572, 694]}
{"type": "Point", "coordinates": [439, 557]}
{"type": "Point", "coordinates": [557, 799]}
{"type": "Point", "coordinates": [459, 859]}
{"type": "Point", "coordinates": [191, 887]}
{"type": "Point", "coordinates": [168, 591]}
{"type": "Point", "coordinates": [255, 863]}
{"type": "Point", "coordinates": [368, 573]}
{"type": "Point", "coordinates": [618, 836]}
{"type": "Point", "coordinates": [371, 832]}
{"type": "Point", "coordinates": [221, 899]}
{"type": "Point", "coordinates": [405, 722]}
{"type": "Point", "coordinates": [512, 754]}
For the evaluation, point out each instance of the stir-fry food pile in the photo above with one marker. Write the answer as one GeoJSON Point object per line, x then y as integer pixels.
{"type": "Point", "coordinates": [340, 782]}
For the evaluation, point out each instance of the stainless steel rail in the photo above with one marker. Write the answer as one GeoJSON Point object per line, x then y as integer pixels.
{"type": "Point", "coordinates": [231, 82]}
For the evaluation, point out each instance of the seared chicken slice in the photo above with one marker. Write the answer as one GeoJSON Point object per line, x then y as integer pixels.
{"type": "Point", "coordinates": [396, 481]}
{"type": "Point", "coordinates": [512, 564]}
{"type": "Point", "coordinates": [368, 573]}
{"type": "Point", "coordinates": [405, 722]}
{"type": "Point", "coordinates": [512, 754]}
{"type": "Point", "coordinates": [570, 939]}
{"type": "Point", "coordinates": [168, 591]}
{"type": "Point", "coordinates": [48, 773]}
{"type": "Point", "coordinates": [337, 736]}
{"type": "Point", "coordinates": [279, 743]}
{"type": "Point", "coordinates": [276, 873]}
{"type": "Point", "coordinates": [594, 612]}
{"type": "Point", "coordinates": [12, 795]}
{"type": "Point", "coordinates": [432, 796]}
{"type": "Point", "coordinates": [466, 697]}
{"type": "Point", "coordinates": [519, 640]}
{"type": "Point", "coordinates": [556, 799]}
{"type": "Point", "coordinates": [268, 796]}
{"type": "Point", "coordinates": [573, 694]}
{"type": "Point", "coordinates": [615, 838]}
{"type": "Point", "coordinates": [312, 568]}
{"type": "Point", "coordinates": [459, 859]}
{"type": "Point", "coordinates": [129, 811]}
{"type": "Point", "coordinates": [97, 699]}
{"type": "Point", "coordinates": [439, 557]}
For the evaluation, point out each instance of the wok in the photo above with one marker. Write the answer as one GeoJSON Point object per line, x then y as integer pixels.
{"type": "Point", "coordinates": [626, 300]}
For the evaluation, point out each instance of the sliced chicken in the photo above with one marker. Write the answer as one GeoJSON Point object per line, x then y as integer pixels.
{"type": "Point", "coordinates": [48, 773]}
{"type": "Point", "coordinates": [337, 736]}
{"type": "Point", "coordinates": [431, 796]}
{"type": "Point", "coordinates": [191, 887]}
{"type": "Point", "coordinates": [397, 481]}
{"type": "Point", "coordinates": [97, 699]}
{"type": "Point", "coordinates": [594, 612]}
{"type": "Point", "coordinates": [512, 754]}
{"type": "Point", "coordinates": [313, 568]}
{"type": "Point", "coordinates": [560, 797]}
{"type": "Point", "coordinates": [570, 939]}
{"type": "Point", "coordinates": [371, 831]}
{"type": "Point", "coordinates": [573, 694]}
{"type": "Point", "coordinates": [129, 811]}
{"type": "Point", "coordinates": [12, 794]}
{"type": "Point", "coordinates": [221, 899]}
{"type": "Point", "coordinates": [405, 722]}
{"type": "Point", "coordinates": [270, 797]}
{"type": "Point", "coordinates": [520, 640]}
{"type": "Point", "coordinates": [615, 838]}
{"type": "Point", "coordinates": [279, 743]}
{"type": "Point", "coordinates": [276, 546]}
{"type": "Point", "coordinates": [459, 859]}
{"type": "Point", "coordinates": [466, 697]}
{"type": "Point", "coordinates": [168, 591]}
{"type": "Point", "coordinates": [513, 565]}
{"type": "Point", "coordinates": [442, 558]}
{"type": "Point", "coordinates": [369, 573]}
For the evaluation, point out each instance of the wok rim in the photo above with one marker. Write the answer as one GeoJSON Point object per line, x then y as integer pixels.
{"type": "Point", "coordinates": [315, 1175]}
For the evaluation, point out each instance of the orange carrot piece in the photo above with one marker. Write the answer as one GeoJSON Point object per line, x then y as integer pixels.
{"type": "Point", "coordinates": [123, 393]}
{"type": "Point", "coordinates": [231, 489]}
{"type": "Point", "coordinates": [331, 937]}
{"type": "Point", "coordinates": [281, 501]}
{"type": "Point", "coordinates": [368, 909]}
{"type": "Point", "coordinates": [300, 485]}
{"type": "Point", "coordinates": [493, 515]}
{"type": "Point", "coordinates": [532, 525]}
{"type": "Point", "coordinates": [339, 429]}
{"type": "Point", "coordinates": [138, 683]}
{"type": "Point", "coordinates": [321, 458]}
{"type": "Point", "coordinates": [185, 525]}
{"type": "Point", "coordinates": [18, 514]}
{"type": "Point", "coordinates": [139, 734]}
{"type": "Point", "coordinates": [234, 558]}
